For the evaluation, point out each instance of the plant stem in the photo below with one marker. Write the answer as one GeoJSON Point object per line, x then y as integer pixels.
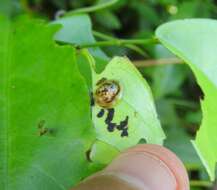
{"type": "Point", "coordinates": [185, 103]}
{"type": "Point", "coordinates": [93, 8]}
{"type": "Point", "coordinates": [133, 47]}
{"type": "Point", "coordinates": [119, 42]}
{"type": "Point", "coordinates": [198, 183]}
{"type": "Point", "coordinates": [154, 62]}
{"type": "Point", "coordinates": [102, 35]}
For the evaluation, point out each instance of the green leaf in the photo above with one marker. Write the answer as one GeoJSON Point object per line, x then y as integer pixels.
{"type": "Point", "coordinates": [112, 21]}
{"type": "Point", "coordinates": [10, 7]}
{"type": "Point", "coordinates": [45, 119]}
{"type": "Point", "coordinates": [135, 108]}
{"type": "Point", "coordinates": [84, 68]}
{"type": "Point", "coordinates": [182, 147]}
{"type": "Point", "coordinates": [77, 30]}
{"type": "Point", "coordinates": [103, 153]}
{"type": "Point", "coordinates": [167, 79]}
{"type": "Point", "coordinates": [194, 40]}
{"type": "Point", "coordinates": [5, 7]}
{"type": "Point", "coordinates": [173, 128]}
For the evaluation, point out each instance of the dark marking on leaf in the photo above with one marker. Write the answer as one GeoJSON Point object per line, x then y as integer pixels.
{"type": "Point", "coordinates": [101, 113]}
{"type": "Point", "coordinates": [52, 131]}
{"type": "Point", "coordinates": [135, 113]}
{"type": "Point", "coordinates": [41, 124]}
{"type": "Point", "coordinates": [111, 127]}
{"type": "Point", "coordinates": [124, 133]}
{"type": "Point", "coordinates": [92, 102]}
{"type": "Point", "coordinates": [123, 124]}
{"type": "Point", "coordinates": [44, 130]}
{"type": "Point", "coordinates": [110, 115]}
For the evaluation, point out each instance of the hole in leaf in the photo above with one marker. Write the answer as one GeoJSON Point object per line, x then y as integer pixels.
{"type": "Point", "coordinates": [88, 155]}
{"type": "Point", "coordinates": [142, 141]}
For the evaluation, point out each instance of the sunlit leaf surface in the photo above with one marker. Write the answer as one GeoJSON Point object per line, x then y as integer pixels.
{"type": "Point", "coordinates": [45, 124]}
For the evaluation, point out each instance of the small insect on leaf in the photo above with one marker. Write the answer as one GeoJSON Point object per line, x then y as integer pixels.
{"type": "Point", "coordinates": [107, 93]}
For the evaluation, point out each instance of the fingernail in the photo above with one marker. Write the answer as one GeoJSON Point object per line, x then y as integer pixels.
{"type": "Point", "coordinates": [149, 167]}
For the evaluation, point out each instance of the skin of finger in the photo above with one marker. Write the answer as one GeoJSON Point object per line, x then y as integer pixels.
{"type": "Point", "coordinates": [169, 158]}
{"type": "Point", "coordinates": [106, 182]}
{"type": "Point", "coordinates": [147, 169]}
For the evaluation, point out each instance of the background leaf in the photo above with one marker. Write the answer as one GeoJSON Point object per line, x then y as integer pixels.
{"type": "Point", "coordinates": [10, 7]}
{"type": "Point", "coordinates": [194, 40]}
{"type": "Point", "coordinates": [103, 153]}
{"type": "Point", "coordinates": [112, 21]}
{"type": "Point", "coordinates": [77, 30]}
{"type": "Point", "coordinates": [44, 110]}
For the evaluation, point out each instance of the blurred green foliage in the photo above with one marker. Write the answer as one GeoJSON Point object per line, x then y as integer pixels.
{"type": "Point", "coordinates": [174, 87]}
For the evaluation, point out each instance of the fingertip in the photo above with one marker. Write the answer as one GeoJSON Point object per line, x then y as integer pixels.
{"type": "Point", "coordinates": [155, 165]}
{"type": "Point", "coordinates": [170, 159]}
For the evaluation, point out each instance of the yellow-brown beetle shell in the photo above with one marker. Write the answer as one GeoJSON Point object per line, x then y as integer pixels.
{"type": "Point", "coordinates": [107, 93]}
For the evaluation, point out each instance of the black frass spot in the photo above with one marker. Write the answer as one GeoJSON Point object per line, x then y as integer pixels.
{"type": "Point", "coordinates": [111, 127]}
{"type": "Point", "coordinates": [92, 102]}
{"type": "Point", "coordinates": [110, 115]}
{"type": "Point", "coordinates": [124, 133]}
{"type": "Point", "coordinates": [101, 113]}
{"type": "Point", "coordinates": [123, 124]}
